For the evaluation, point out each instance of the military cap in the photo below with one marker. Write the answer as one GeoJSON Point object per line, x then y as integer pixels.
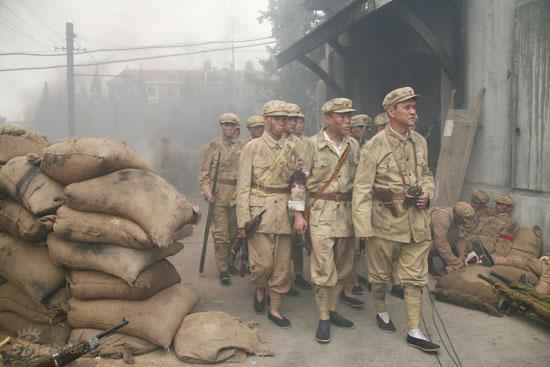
{"type": "Point", "coordinates": [228, 117]}
{"type": "Point", "coordinates": [398, 95]}
{"type": "Point", "coordinates": [504, 199]}
{"type": "Point", "coordinates": [338, 105]}
{"type": "Point", "coordinates": [381, 119]}
{"type": "Point", "coordinates": [464, 210]}
{"type": "Point", "coordinates": [254, 121]}
{"type": "Point", "coordinates": [480, 196]}
{"type": "Point", "coordinates": [360, 120]}
{"type": "Point", "coordinates": [274, 108]}
{"type": "Point", "coordinates": [294, 110]}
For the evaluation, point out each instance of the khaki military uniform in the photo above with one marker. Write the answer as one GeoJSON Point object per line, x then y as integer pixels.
{"type": "Point", "coordinates": [499, 227]}
{"type": "Point", "coordinates": [261, 187]}
{"type": "Point", "coordinates": [224, 224]}
{"type": "Point", "coordinates": [482, 215]}
{"type": "Point", "coordinates": [409, 230]}
{"type": "Point", "coordinates": [448, 238]}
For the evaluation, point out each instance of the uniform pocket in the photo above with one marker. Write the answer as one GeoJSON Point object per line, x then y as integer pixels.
{"type": "Point", "coordinates": [381, 216]}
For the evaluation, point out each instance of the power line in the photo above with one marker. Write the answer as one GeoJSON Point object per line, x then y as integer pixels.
{"type": "Point", "coordinates": [138, 58]}
{"type": "Point", "coordinates": [24, 21]}
{"type": "Point", "coordinates": [12, 28]}
{"type": "Point", "coordinates": [181, 45]}
{"type": "Point", "coordinates": [38, 17]}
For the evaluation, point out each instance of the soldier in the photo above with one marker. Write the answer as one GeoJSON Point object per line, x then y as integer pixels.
{"type": "Point", "coordinates": [296, 121]}
{"type": "Point", "coordinates": [479, 201]}
{"type": "Point", "coordinates": [255, 125]}
{"type": "Point", "coordinates": [381, 120]}
{"type": "Point", "coordinates": [265, 169]}
{"type": "Point", "coordinates": [448, 231]}
{"type": "Point", "coordinates": [331, 159]}
{"type": "Point", "coordinates": [358, 124]}
{"type": "Point", "coordinates": [300, 125]}
{"type": "Point", "coordinates": [392, 190]}
{"type": "Point", "coordinates": [224, 223]}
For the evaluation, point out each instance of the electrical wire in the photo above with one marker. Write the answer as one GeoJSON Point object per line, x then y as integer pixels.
{"type": "Point", "coordinates": [12, 28]}
{"type": "Point", "coordinates": [36, 16]}
{"type": "Point", "coordinates": [24, 22]}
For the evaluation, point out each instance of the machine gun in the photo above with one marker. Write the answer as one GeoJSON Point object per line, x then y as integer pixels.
{"type": "Point", "coordinates": [240, 243]}
{"type": "Point", "coordinates": [73, 352]}
{"type": "Point", "coordinates": [518, 298]}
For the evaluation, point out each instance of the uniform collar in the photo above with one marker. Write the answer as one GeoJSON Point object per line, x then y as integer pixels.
{"type": "Point", "coordinates": [322, 140]}
{"type": "Point", "coordinates": [224, 140]}
{"type": "Point", "coordinates": [272, 142]}
{"type": "Point", "coordinates": [394, 134]}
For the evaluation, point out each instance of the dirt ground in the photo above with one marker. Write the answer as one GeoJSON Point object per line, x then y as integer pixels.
{"type": "Point", "coordinates": [479, 339]}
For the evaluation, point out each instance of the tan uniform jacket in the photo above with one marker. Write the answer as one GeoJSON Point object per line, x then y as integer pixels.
{"type": "Point", "coordinates": [482, 215]}
{"type": "Point", "coordinates": [329, 217]}
{"type": "Point", "coordinates": [378, 169]}
{"type": "Point", "coordinates": [256, 158]}
{"type": "Point", "coordinates": [229, 159]}
{"type": "Point", "coordinates": [497, 225]}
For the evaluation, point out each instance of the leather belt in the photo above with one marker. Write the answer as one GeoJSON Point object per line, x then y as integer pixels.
{"type": "Point", "coordinates": [335, 196]}
{"type": "Point", "coordinates": [227, 181]}
{"type": "Point", "coordinates": [270, 189]}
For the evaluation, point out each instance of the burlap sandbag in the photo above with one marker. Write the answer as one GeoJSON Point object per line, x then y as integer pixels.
{"type": "Point", "coordinates": [29, 266]}
{"type": "Point", "coordinates": [97, 285]}
{"type": "Point", "coordinates": [56, 334]}
{"type": "Point", "coordinates": [155, 319]}
{"type": "Point", "coordinates": [25, 183]}
{"type": "Point", "coordinates": [75, 160]}
{"type": "Point", "coordinates": [122, 262]}
{"type": "Point", "coordinates": [214, 337]}
{"type": "Point", "coordinates": [464, 288]}
{"type": "Point", "coordinates": [527, 243]}
{"type": "Point", "coordinates": [58, 301]}
{"type": "Point", "coordinates": [92, 227]}
{"type": "Point", "coordinates": [17, 141]}
{"type": "Point", "coordinates": [138, 195]}
{"type": "Point", "coordinates": [114, 346]}
{"type": "Point", "coordinates": [20, 222]}
{"type": "Point", "coordinates": [15, 300]}
{"type": "Point", "coordinates": [2, 280]}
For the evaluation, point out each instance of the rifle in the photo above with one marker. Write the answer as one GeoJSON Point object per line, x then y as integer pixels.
{"type": "Point", "coordinates": [73, 352]}
{"type": "Point", "coordinates": [364, 133]}
{"type": "Point", "coordinates": [240, 244]}
{"type": "Point", "coordinates": [210, 214]}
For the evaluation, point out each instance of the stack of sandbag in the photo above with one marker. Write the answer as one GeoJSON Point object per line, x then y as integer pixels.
{"type": "Point", "coordinates": [33, 296]}
{"type": "Point", "coordinates": [114, 235]}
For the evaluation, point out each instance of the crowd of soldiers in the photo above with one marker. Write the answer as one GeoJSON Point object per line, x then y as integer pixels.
{"type": "Point", "coordinates": [336, 194]}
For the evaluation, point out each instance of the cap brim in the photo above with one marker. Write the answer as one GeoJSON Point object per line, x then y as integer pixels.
{"type": "Point", "coordinates": [277, 114]}
{"type": "Point", "coordinates": [406, 98]}
{"type": "Point", "coordinates": [294, 114]}
{"type": "Point", "coordinates": [256, 124]}
{"type": "Point", "coordinates": [346, 110]}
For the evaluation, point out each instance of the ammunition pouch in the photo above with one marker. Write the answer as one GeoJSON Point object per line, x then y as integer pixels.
{"type": "Point", "coordinates": [388, 197]}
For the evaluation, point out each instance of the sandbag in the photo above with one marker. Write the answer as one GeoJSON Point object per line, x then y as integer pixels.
{"type": "Point", "coordinates": [29, 266]}
{"type": "Point", "coordinates": [122, 262]}
{"type": "Point", "coordinates": [20, 222]}
{"type": "Point", "coordinates": [25, 183]}
{"type": "Point", "coordinates": [92, 227]}
{"type": "Point", "coordinates": [75, 160]}
{"type": "Point", "coordinates": [34, 332]}
{"type": "Point", "coordinates": [97, 285]}
{"type": "Point", "coordinates": [2, 280]}
{"type": "Point", "coordinates": [155, 319]}
{"type": "Point", "coordinates": [215, 337]}
{"type": "Point", "coordinates": [58, 300]}
{"type": "Point", "coordinates": [138, 195]}
{"type": "Point", "coordinates": [527, 243]}
{"type": "Point", "coordinates": [464, 288]}
{"type": "Point", "coordinates": [15, 300]}
{"type": "Point", "coordinates": [17, 141]}
{"type": "Point", "coordinates": [114, 346]}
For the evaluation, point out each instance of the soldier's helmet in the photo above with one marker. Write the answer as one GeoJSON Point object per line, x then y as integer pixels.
{"type": "Point", "coordinates": [480, 196]}
{"type": "Point", "coordinates": [464, 210]}
{"type": "Point", "coordinates": [361, 120]}
{"type": "Point", "coordinates": [399, 95]}
{"type": "Point", "coordinates": [228, 117]}
{"type": "Point", "coordinates": [338, 105]}
{"type": "Point", "coordinates": [504, 199]}
{"type": "Point", "coordinates": [381, 119]}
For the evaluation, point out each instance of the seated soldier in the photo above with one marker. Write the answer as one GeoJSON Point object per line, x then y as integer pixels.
{"type": "Point", "coordinates": [448, 246]}
{"type": "Point", "coordinates": [479, 201]}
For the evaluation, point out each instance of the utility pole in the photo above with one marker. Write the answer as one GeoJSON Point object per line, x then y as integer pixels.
{"type": "Point", "coordinates": [70, 80]}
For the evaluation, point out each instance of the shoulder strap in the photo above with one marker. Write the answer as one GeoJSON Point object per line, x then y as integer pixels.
{"type": "Point", "coordinates": [275, 169]}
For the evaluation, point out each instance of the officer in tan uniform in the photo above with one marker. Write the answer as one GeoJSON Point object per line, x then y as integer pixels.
{"type": "Point", "coordinates": [358, 124]}
{"type": "Point", "coordinates": [393, 187]}
{"type": "Point", "coordinates": [265, 169]}
{"type": "Point", "coordinates": [448, 232]}
{"type": "Point", "coordinates": [331, 160]}
{"type": "Point", "coordinates": [480, 201]}
{"type": "Point", "coordinates": [381, 120]}
{"type": "Point", "coordinates": [224, 223]}
{"type": "Point", "coordinates": [255, 125]}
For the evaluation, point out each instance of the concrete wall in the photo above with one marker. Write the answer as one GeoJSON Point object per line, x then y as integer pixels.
{"type": "Point", "coordinates": [492, 58]}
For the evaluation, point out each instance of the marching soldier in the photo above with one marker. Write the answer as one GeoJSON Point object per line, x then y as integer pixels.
{"type": "Point", "coordinates": [265, 170]}
{"type": "Point", "coordinates": [331, 159]}
{"type": "Point", "coordinates": [358, 124]}
{"type": "Point", "coordinates": [381, 120]}
{"type": "Point", "coordinates": [392, 191]}
{"type": "Point", "coordinates": [224, 223]}
{"type": "Point", "coordinates": [255, 125]}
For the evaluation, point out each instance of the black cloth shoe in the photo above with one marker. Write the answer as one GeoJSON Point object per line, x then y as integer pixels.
{"type": "Point", "coordinates": [259, 306]}
{"type": "Point", "coordinates": [225, 278]}
{"type": "Point", "coordinates": [283, 323]}
{"type": "Point", "coordinates": [352, 302]}
{"type": "Point", "coordinates": [293, 293]}
{"type": "Point", "coordinates": [323, 332]}
{"type": "Point", "coordinates": [302, 283]}
{"type": "Point", "coordinates": [483, 253]}
{"type": "Point", "coordinates": [387, 327]}
{"type": "Point", "coordinates": [357, 290]}
{"type": "Point", "coordinates": [422, 344]}
{"type": "Point", "coordinates": [340, 321]}
{"type": "Point", "coordinates": [398, 291]}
